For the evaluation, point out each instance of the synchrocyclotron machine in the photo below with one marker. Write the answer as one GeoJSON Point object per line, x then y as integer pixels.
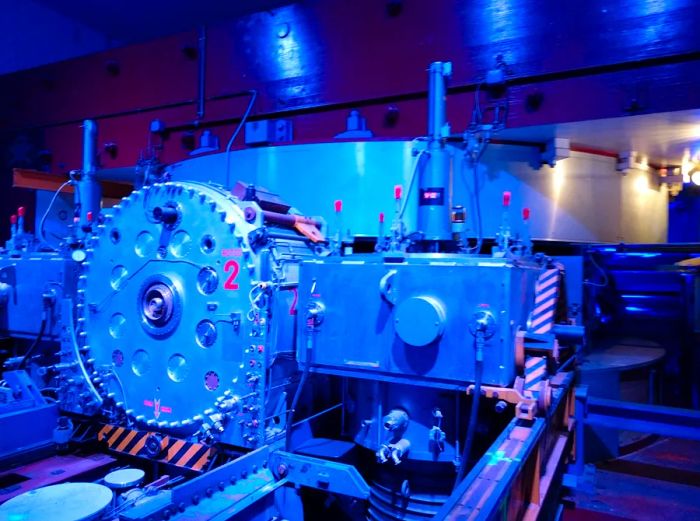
{"type": "Point", "coordinates": [210, 352]}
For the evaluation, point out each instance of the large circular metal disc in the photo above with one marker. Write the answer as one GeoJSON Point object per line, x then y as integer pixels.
{"type": "Point", "coordinates": [64, 502]}
{"type": "Point", "coordinates": [165, 297]}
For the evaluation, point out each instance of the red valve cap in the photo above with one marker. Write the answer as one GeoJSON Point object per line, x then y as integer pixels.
{"type": "Point", "coordinates": [506, 198]}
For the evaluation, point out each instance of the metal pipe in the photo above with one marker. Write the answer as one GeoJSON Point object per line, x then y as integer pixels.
{"type": "Point", "coordinates": [318, 414]}
{"type": "Point", "coordinates": [569, 333]}
{"type": "Point", "coordinates": [88, 194]}
{"type": "Point", "coordinates": [202, 72]}
{"type": "Point", "coordinates": [126, 174]}
{"type": "Point", "coordinates": [632, 65]}
{"type": "Point", "coordinates": [433, 186]}
{"type": "Point", "coordinates": [438, 72]}
{"type": "Point", "coordinates": [286, 219]}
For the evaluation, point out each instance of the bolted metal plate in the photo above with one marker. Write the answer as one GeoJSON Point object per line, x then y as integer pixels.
{"type": "Point", "coordinates": [163, 302]}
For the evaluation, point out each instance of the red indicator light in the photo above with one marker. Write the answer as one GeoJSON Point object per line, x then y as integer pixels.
{"type": "Point", "coordinates": [338, 206]}
{"type": "Point", "coordinates": [20, 211]}
{"type": "Point", "coordinates": [398, 191]}
{"type": "Point", "coordinates": [526, 214]}
{"type": "Point", "coordinates": [89, 217]}
{"type": "Point", "coordinates": [381, 217]}
{"type": "Point", "coordinates": [13, 219]}
{"type": "Point", "coordinates": [506, 198]}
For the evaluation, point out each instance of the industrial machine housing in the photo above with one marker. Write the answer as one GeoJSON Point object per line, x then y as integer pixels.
{"type": "Point", "coordinates": [192, 323]}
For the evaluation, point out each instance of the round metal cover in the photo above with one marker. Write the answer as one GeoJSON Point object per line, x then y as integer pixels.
{"type": "Point", "coordinates": [64, 502]}
{"type": "Point", "coordinates": [419, 321]}
{"type": "Point", "coordinates": [124, 478]}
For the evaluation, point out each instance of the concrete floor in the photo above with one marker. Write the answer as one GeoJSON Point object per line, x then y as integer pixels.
{"type": "Point", "coordinates": [659, 481]}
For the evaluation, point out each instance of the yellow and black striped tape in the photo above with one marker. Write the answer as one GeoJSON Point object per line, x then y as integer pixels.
{"type": "Point", "coordinates": [174, 451]}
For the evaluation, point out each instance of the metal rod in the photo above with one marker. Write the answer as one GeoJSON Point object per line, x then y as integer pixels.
{"type": "Point", "coordinates": [437, 92]}
{"type": "Point", "coordinates": [88, 194]}
{"type": "Point", "coordinates": [202, 72]}
{"type": "Point", "coordinates": [631, 65]}
{"type": "Point", "coordinates": [314, 416]}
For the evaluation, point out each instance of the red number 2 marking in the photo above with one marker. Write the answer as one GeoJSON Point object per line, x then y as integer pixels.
{"type": "Point", "coordinates": [293, 307]}
{"type": "Point", "coordinates": [232, 266]}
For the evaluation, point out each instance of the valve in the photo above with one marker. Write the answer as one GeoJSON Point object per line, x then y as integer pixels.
{"type": "Point", "coordinates": [482, 324]}
{"type": "Point", "coordinates": [166, 215]}
{"type": "Point", "coordinates": [394, 452]}
{"type": "Point", "coordinates": [396, 422]}
{"type": "Point", "coordinates": [436, 436]}
{"type": "Point", "coordinates": [315, 313]}
{"type": "Point", "coordinates": [153, 446]}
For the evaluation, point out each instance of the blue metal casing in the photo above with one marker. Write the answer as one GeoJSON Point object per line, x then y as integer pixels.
{"type": "Point", "coordinates": [28, 278]}
{"type": "Point", "coordinates": [408, 321]}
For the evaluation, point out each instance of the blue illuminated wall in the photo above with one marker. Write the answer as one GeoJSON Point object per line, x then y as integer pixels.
{"type": "Point", "coordinates": [313, 61]}
{"type": "Point", "coordinates": [25, 27]}
{"type": "Point", "coordinates": [684, 216]}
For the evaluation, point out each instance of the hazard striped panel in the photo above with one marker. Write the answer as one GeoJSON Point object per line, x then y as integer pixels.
{"type": "Point", "coordinates": [535, 372]}
{"type": "Point", "coordinates": [546, 294]}
{"type": "Point", "coordinates": [173, 451]}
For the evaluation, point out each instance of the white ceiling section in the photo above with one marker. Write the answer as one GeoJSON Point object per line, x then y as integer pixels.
{"type": "Point", "coordinates": [665, 138]}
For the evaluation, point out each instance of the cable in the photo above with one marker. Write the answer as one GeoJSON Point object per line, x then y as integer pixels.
{"type": "Point", "coordinates": [253, 96]}
{"type": "Point", "coordinates": [603, 273]}
{"type": "Point", "coordinates": [121, 387]}
{"type": "Point", "coordinates": [563, 367]}
{"type": "Point", "coordinates": [40, 335]}
{"type": "Point", "coordinates": [48, 209]}
{"type": "Point", "coordinates": [477, 104]}
{"type": "Point", "coordinates": [473, 417]}
{"type": "Point", "coordinates": [311, 329]}
{"type": "Point", "coordinates": [414, 174]}
{"type": "Point", "coordinates": [477, 202]}
{"type": "Point", "coordinates": [295, 400]}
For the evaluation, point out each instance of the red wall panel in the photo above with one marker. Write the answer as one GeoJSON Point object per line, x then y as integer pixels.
{"type": "Point", "coordinates": [314, 60]}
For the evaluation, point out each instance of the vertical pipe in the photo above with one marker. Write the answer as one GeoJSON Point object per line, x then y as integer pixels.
{"type": "Point", "coordinates": [88, 194]}
{"type": "Point", "coordinates": [201, 76]}
{"type": "Point", "coordinates": [437, 90]}
{"type": "Point", "coordinates": [433, 193]}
